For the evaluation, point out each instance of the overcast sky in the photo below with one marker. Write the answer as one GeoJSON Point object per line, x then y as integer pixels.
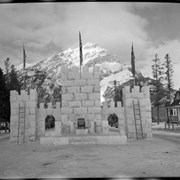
{"type": "Point", "coordinates": [49, 28]}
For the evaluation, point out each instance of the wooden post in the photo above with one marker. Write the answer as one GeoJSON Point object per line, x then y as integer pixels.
{"type": "Point", "coordinates": [115, 96]}
{"type": "Point", "coordinates": [80, 70]}
{"type": "Point", "coordinates": [24, 84]}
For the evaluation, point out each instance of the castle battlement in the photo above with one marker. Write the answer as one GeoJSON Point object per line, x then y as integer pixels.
{"type": "Point", "coordinates": [50, 106]}
{"type": "Point", "coordinates": [112, 104]}
{"type": "Point", "coordinates": [74, 74]}
{"type": "Point", "coordinates": [136, 92]}
{"type": "Point", "coordinates": [23, 96]}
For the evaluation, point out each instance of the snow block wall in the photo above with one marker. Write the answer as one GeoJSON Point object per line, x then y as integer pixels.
{"type": "Point", "coordinates": [81, 99]}
{"type": "Point", "coordinates": [119, 111]}
{"type": "Point", "coordinates": [145, 108]}
{"type": "Point", "coordinates": [43, 112]}
{"type": "Point", "coordinates": [23, 116]}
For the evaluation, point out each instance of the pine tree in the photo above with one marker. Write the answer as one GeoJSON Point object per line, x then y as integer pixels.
{"type": "Point", "coordinates": [7, 72]}
{"type": "Point", "coordinates": [14, 82]}
{"type": "Point", "coordinates": [168, 77]}
{"type": "Point", "coordinates": [35, 81]}
{"type": "Point", "coordinates": [157, 71]}
{"type": "Point", "coordinates": [7, 65]}
{"type": "Point", "coordinates": [4, 103]}
{"type": "Point", "coordinates": [57, 93]}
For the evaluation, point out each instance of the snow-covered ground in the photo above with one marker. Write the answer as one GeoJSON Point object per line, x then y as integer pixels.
{"type": "Point", "coordinates": [161, 125]}
{"type": "Point", "coordinates": [147, 158]}
{"type": "Point", "coordinates": [161, 128]}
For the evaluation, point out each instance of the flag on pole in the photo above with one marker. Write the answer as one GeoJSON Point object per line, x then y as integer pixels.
{"type": "Point", "coordinates": [80, 49]}
{"type": "Point", "coordinates": [133, 61]}
{"type": "Point", "coordinates": [24, 58]}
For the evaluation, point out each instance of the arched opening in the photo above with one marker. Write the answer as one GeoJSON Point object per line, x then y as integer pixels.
{"type": "Point", "coordinates": [113, 120]}
{"type": "Point", "coordinates": [49, 122]}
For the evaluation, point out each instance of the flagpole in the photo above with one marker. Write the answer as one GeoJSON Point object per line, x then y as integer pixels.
{"type": "Point", "coordinates": [80, 53]}
{"type": "Point", "coordinates": [133, 65]}
{"type": "Point", "coordinates": [24, 66]}
{"type": "Point", "coordinates": [80, 70]}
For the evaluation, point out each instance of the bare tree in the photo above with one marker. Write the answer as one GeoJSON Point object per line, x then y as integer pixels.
{"type": "Point", "coordinates": [168, 77]}
{"type": "Point", "coordinates": [157, 71]}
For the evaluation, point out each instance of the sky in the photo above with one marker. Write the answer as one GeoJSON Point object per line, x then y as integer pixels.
{"type": "Point", "coordinates": [49, 28]}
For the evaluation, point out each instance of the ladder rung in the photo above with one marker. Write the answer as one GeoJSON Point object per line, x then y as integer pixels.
{"type": "Point", "coordinates": [139, 133]}
{"type": "Point", "coordinates": [21, 117]}
{"type": "Point", "coordinates": [21, 114]}
{"type": "Point", "coordinates": [139, 129]}
{"type": "Point", "coordinates": [138, 125]}
{"type": "Point", "coordinates": [21, 110]}
{"type": "Point", "coordinates": [136, 110]}
{"type": "Point", "coordinates": [138, 114]}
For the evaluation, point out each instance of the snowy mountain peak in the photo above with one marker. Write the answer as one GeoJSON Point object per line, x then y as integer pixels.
{"type": "Point", "coordinates": [110, 67]}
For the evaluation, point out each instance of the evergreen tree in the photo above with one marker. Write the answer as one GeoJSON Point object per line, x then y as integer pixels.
{"type": "Point", "coordinates": [4, 103]}
{"type": "Point", "coordinates": [57, 93]}
{"type": "Point", "coordinates": [168, 77]}
{"type": "Point", "coordinates": [7, 65]}
{"type": "Point", "coordinates": [14, 82]}
{"type": "Point", "coordinates": [34, 80]}
{"type": "Point", "coordinates": [157, 89]}
{"type": "Point", "coordinates": [7, 72]}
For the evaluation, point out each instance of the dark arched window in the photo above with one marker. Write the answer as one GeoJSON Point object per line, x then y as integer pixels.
{"type": "Point", "coordinates": [49, 122]}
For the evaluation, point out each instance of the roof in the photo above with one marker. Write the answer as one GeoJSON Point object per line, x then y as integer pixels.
{"type": "Point", "coordinates": [177, 96]}
{"type": "Point", "coordinates": [176, 103]}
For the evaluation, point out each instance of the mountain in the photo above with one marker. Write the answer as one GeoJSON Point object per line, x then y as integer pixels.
{"type": "Point", "coordinates": [110, 66]}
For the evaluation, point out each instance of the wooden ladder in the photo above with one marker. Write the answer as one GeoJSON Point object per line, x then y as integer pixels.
{"type": "Point", "coordinates": [21, 121]}
{"type": "Point", "coordinates": [138, 121]}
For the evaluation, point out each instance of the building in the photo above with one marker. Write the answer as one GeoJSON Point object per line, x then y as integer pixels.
{"type": "Point", "coordinates": [81, 118]}
{"type": "Point", "coordinates": [174, 109]}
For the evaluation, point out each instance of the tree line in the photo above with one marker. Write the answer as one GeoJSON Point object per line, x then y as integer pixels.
{"type": "Point", "coordinates": [8, 81]}
{"type": "Point", "coordinates": [12, 79]}
{"type": "Point", "coordinates": [162, 86]}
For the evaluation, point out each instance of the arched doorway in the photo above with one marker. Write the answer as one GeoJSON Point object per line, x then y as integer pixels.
{"type": "Point", "coordinates": [49, 122]}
